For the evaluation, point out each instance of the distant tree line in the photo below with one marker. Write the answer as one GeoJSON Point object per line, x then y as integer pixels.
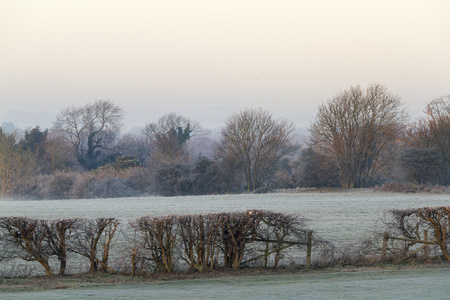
{"type": "Point", "coordinates": [363, 138]}
{"type": "Point", "coordinates": [359, 138]}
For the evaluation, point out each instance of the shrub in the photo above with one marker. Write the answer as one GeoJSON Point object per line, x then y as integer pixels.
{"type": "Point", "coordinates": [110, 187]}
{"type": "Point", "coordinates": [59, 185]}
{"type": "Point", "coordinates": [26, 239]}
{"type": "Point", "coordinates": [205, 177]}
{"type": "Point", "coordinates": [395, 187]}
{"type": "Point", "coordinates": [398, 187]}
{"type": "Point", "coordinates": [159, 244]}
{"type": "Point", "coordinates": [172, 180]}
{"type": "Point", "coordinates": [81, 185]}
{"type": "Point", "coordinates": [407, 227]}
{"type": "Point", "coordinates": [139, 180]}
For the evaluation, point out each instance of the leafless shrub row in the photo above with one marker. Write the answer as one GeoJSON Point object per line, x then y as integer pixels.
{"type": "Point", "coordinates": [41, 240]}
{"type": "Point", "coordinates": [155, 244]}
{"type": "Point", "coordinates": [410, 230]}
{"type": "Point", "coordinates": [398, 187]}
{"type": "Point", "coordinates": [418, 233]}
{"type": "Point", "coordinates": [212, 241]}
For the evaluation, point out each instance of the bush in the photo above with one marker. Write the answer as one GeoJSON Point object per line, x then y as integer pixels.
{"type": "Point", "coordinates": [406, 228]}
{"type": "Point", "coordinates": [59, 185]}
{"type": "Point", "coordinates": [139, 180]}
{"type": "Point", "coordinates": [81, 185]}
{"type": "Point", "coordinates": [217, 240]}
{"type": "Point", "coordinates": [172, 180]}
{"type": "Point", "coordinates": [395, 187]}
{"type": "Point", "coordinates": [205, 177]}
{"type": "Point", "coordinates": [398, 187]}
{"type": "Point", "coordinates": [110, 187]}
{"type": "Point", "coordinates": [32, 188]}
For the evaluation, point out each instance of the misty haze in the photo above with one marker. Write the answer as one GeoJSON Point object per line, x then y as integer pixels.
{"type": "Point", "coordinates": [224, 149]}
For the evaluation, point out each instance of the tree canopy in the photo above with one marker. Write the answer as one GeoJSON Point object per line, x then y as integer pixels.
{"type": "Point", "coordinates": [91, 129]}
{"type": "Point", "coordinates": [428, 159]}
{"type": "Point", "coordinates": [257, 140]}
{"type": "Point", "coordinates": [356, 127]}
{"type": "Point", "coordinates": [169, 135]}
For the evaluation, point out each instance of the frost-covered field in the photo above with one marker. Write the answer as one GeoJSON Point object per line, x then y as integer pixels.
{"type": "Point", "coordinates": [402, 284]}
{"type": "Point", "coordinates": [339, 217]}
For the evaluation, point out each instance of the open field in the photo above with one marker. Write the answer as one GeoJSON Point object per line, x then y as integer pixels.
{"type": "Point", "coordinates": [388, 282]}
{"type": "Point", "coordinates": [336, 216]}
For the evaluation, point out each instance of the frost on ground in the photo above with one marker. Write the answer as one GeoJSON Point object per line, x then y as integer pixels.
{"type": "Point", "coordinates": [426, 282]}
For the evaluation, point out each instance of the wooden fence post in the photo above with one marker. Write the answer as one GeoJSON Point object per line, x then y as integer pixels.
{"type": "Point", "coordinates": [384, 249]}
{"type": "Point", "coordinates": [425, 250]}
{"type": "Point", "coordinates": [308, 250]}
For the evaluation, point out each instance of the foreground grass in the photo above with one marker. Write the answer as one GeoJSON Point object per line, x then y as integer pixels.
{"type": "Point", "coordinates": [38, 283]}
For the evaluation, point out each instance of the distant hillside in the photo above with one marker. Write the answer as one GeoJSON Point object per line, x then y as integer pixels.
{"type": "Point", "coordinates": [26, 120]}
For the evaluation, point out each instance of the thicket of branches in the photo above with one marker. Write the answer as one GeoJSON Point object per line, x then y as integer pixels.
{"type": "Point", "coordinates": [360, 138]}
{"type": "Point", "coordinates": [155, 244]}
{"type": "Point", "coordinates": [408, 227]}
{"type": "Point", "coordinates": [199, 243]}
{"type": "Point", "coordinates": [356, 128]}
{"type": "Point", "coordinates": [257, 141]}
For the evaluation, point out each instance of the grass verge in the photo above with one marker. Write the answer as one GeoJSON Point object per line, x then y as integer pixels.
{"type": "Point", "coordinates": [37, 283]}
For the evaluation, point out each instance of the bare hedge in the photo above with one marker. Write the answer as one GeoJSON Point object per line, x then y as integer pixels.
{"type": "Point", "coordinates": [177, 243]}
{"type": "Point", "coordinates": [155, 244]}
{"type": "Point", "coordinates": [409, 228]}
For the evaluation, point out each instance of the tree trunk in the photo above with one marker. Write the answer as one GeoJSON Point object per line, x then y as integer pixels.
{"type": "Point", "coordinates": [93, 262]}
{"type": "Point", "coordinates": [62, 266]}
{"type": "Point", "coordinates": [46, 266]}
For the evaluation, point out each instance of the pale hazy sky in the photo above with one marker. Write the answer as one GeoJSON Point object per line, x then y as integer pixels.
{"type": "Point", "coordinates": [207, 59]}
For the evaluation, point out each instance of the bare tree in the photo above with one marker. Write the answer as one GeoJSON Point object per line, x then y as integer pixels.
{"type": "Point", "coordinates": [201, 238]}
{"type": "Point", "coordinates": [94, 236]}
{"type": "Point", "coordinates": [134, 145]}
{"type": "Point", "coordinates": [408, 227]}
{"type": "Point", "coordinates": [356, 128]}
{"type": "Point", "coordinates": [315, 170]}
{"type": "Point", "coordinates": [438, 218]}
{"type": "Point", "coordinates": [18, 167]}
{"type": "Point", "coordinates": [238, 229]}
{"type": "Point", "coordinates": [59, 151]}
{"type": "Point", "coordinates": [169, 135]}
{"type": "Point", "coordinates": [431, 134]}
{"type": "Point", "coordinates": [258, 141]}
{"type": "Point", "coordinates": [58, 235]}
{"type": "Point", "coordinates": [8, 158]}
{"type": "Point", "coordinates": [27, 238]}
{"type": "Point", "coordinates": [276, 230]}
{"type": "Point", "coordinates": [159, 240]}
{"type": "Point", "coordinates": [90, 129]}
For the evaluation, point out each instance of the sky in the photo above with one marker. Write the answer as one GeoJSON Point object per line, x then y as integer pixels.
{"type": "Point", "coordinates": [209, 59]}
